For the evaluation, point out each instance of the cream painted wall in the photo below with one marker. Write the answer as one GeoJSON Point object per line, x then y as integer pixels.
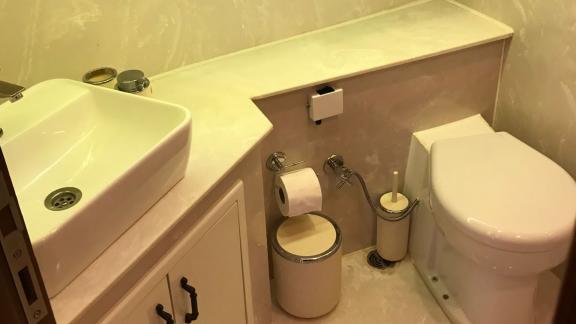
{"type": "Point", "coordinates": [43, 39]}
{"type": "Point", "coordinates": [537, 100]}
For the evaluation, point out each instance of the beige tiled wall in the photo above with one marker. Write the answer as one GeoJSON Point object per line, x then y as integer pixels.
{"type": "Point", "coordinates": [381, 110]}
{"type": "Point", "coordinates": [45, 39]}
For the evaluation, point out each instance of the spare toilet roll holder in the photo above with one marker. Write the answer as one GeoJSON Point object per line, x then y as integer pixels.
{"type": "Point", "coordinates": [276, 162]}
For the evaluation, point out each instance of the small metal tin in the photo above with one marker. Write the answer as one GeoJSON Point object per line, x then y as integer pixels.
{"type": "Point", "coordinates": [100, 76]}
{"type": "Point", "coordinates": [132, 81]}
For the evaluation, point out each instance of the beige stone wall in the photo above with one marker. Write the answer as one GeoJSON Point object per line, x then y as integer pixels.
{"type": "Point", "coordinates": [381, 111]}
{"type": "Point", "coordinates": [537, 101]}
{"type": "Point", "coordinates": [45, 39]}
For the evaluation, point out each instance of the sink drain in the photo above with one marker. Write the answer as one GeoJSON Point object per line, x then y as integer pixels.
{"type": "Point", "coordinates": [63, 198]}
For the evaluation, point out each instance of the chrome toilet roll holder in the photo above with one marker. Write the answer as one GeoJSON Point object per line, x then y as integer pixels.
{"type": "Point", "coordinates": [276, 162]}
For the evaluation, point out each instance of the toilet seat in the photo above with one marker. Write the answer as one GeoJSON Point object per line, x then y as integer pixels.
{"type": "Point", "coordinates": [500, 192]}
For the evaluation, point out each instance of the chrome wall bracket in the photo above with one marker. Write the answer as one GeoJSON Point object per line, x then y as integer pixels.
{"type": "Point", "coordinates": [277, 162]}
{"type": "Point", "coordinates": [335, 163]}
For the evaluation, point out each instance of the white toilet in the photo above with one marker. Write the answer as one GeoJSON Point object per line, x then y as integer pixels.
{"type": "Point", "coordinates": [494, 215]}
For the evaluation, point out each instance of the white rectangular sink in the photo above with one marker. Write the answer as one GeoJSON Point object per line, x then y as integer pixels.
{"type": "Point", "coordinates": [122, 151]}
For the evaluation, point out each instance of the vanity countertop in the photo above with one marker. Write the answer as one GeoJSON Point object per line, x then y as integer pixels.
{"type": "Point", "coordinates": [227, 124]}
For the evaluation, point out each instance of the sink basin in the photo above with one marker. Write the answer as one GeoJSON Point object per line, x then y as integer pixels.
{"type": "Point", "coordinates": [118, 152]}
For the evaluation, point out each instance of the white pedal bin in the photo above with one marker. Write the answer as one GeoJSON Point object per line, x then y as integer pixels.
{"type": "Point", "coordinates": [307, 263]}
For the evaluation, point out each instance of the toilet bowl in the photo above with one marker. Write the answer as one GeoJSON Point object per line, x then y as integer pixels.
{"type": "Point", "coordinates": [496, 214]}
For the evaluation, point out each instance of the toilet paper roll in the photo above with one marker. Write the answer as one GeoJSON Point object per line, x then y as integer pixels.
{"type": "Point", "coordinates": [298, 192]}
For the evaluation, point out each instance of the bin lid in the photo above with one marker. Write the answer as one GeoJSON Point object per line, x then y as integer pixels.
{"type": "Point", "coordinates": [306, 235]}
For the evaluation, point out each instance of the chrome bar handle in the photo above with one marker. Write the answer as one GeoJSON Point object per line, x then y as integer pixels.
{"type": "Point", "coordinates": [335, 162]}
{"type": "Point", "coordinates": [277, 162]}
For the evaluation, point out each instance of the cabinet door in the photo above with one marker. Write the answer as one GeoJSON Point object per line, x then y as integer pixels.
{"type": "Point", "coordinates": [213, 266]}
{"type": "Point", "coordinates": [143, 310]}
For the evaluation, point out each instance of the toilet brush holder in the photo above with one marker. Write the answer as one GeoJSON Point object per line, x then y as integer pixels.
{"type": "Point", "coordinates": [392, 233]}
{"type": "Point", "coordinates": [393, 225]}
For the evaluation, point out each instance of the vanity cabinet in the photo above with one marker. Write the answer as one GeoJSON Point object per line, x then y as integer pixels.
{"type": "Point", "coordinates": [145, 310]}
{"type": "Point", "coordinates": [214, 268]}
{"type": "Point", "coordinates": [208, 267]}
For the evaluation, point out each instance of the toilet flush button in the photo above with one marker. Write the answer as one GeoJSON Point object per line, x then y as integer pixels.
{"type": "Point", "coordinates": [326, 102]}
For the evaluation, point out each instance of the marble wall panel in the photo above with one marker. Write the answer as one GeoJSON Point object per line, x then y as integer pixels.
{"type": "Point", "coordinates": [45, 39]}
{"type": "Point", "coordinates": [381, 111]}
{"type": "Point", "coordinates": [537, 101]}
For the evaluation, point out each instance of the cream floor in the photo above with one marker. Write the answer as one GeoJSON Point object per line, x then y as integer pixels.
{"type": "Point", "coordinates": [394, 295]}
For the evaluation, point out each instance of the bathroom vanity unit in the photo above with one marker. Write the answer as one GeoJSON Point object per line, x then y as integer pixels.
{"type": "Point", "coordinates": [207, 269]}
{"type": "Point", "coordinates": [218, 245]}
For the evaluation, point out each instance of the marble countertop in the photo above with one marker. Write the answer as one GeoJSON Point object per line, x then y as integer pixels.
{"type": "Point", "coordinates": [227, 124]}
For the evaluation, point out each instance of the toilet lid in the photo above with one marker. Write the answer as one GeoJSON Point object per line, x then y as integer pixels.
{"type": "Point", "coordinates": [502, 192]}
